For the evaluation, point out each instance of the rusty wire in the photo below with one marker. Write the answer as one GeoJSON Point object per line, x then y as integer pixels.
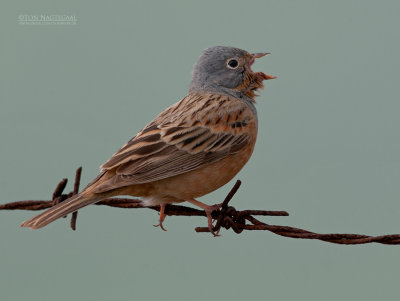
{"type": "Point", "coordinates": [227, 217]}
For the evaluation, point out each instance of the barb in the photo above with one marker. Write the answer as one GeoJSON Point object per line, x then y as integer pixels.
{"type": "Point", "coordinates": [227, 217]}
{"type": "Point", "coordinates": [76, 191]}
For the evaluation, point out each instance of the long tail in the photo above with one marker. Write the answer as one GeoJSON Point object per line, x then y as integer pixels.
{"type": "Point", "coordinates": [68, 206]}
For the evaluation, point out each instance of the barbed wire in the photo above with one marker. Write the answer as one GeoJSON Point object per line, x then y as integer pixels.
{"type": "Point", "coordinates": [226, 217]}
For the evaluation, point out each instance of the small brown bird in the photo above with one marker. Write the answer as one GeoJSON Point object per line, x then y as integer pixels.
{"type": "Point", "coordinates": [190, 149]}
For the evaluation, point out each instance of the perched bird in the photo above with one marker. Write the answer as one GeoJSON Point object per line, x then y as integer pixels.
{"type": "Point", "coordinates": [190, 149]}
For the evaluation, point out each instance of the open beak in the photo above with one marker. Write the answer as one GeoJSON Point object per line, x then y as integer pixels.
{"type": "Point", "coordinates": [261, 54]}
{"type": "Point", "coordinates": [255, 56]}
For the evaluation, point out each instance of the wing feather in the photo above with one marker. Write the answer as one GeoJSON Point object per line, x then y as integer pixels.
{"type": "Point", "coordinates": [183, 138]}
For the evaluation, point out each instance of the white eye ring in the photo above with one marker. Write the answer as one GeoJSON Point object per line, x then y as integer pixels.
{"type": "Point", "coordinates": [232, 63]}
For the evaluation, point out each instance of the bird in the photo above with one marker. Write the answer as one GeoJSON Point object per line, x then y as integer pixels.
{"type": "Point", "coordinates": [190, 149]}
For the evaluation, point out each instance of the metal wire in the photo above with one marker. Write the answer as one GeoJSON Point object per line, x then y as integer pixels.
{"type": "Point", "coordinates": [227, 217]}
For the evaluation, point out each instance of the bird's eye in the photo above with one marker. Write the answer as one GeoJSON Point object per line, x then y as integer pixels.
{"type": "Point", "coordinates": [232, 64]}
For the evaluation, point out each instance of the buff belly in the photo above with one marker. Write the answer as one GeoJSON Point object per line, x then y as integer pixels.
{"type": "Point", "coordinates": [193, 184]}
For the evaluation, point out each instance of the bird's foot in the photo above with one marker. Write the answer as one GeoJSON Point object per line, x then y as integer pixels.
{"type": "Point", "coordinates": [161, 218]}
{"type": "Point", "coordinates": [161, 226]}
{"type": "Point", "coordinates": [209, 210]}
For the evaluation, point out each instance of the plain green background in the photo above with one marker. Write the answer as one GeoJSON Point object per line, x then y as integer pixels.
{"type": "Point", "coordinates": [328, 148]}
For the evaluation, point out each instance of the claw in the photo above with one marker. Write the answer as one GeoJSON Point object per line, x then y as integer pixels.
{"type": "Point", "coordinates": [209, 210]}
{"type": "Point", "coordinates": [161, 226]}
{"type": "Point", "coordinates": [210, 222]}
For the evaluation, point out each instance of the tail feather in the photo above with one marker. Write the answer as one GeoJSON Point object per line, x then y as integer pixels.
{"type": "Point", "coordinates": [62, 209]}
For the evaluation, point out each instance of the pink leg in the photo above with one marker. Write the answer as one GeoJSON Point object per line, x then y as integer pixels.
{"type": "Point", "coordinates": [208, 209]}
{"type": "Point", "coordinates": [162, 217]}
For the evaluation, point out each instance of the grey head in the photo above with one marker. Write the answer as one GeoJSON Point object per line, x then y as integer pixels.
{"type": "Point", "coordinates": [227, 70]}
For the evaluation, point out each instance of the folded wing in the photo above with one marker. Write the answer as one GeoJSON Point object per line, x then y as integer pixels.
{"type": "Point", "coordinates": [198, 130]}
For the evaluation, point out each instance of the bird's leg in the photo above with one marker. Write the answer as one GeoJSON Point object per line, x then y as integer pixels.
{"type": "Point", "coordinates": [208, 209]}
{"type": "Point", "coordinates": [162, 217]}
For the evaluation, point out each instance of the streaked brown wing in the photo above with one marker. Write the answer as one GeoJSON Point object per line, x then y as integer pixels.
{"type": "Point", "coordinates": [186, 136]}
